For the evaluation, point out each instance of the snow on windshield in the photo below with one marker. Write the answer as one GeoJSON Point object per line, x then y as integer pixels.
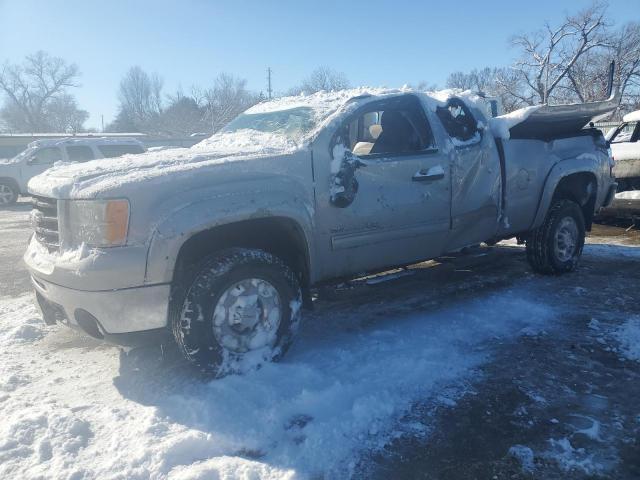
{"type": "Point", "coordinates": [293, 123]}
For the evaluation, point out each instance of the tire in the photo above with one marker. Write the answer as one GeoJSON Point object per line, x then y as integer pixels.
{"type": "Point", "coordinates": [8, 194]}
{"type": "Point", "coordinates": [556, 246]}
{"type": "Point", "coordinates": [224, 313]}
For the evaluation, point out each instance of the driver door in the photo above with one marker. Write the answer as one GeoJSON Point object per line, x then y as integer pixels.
{"type": "Point", "coordinates": [388, 205]}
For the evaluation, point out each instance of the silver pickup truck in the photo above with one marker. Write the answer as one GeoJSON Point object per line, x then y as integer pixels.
{"type": "Point", "coordinates": [219, 245]}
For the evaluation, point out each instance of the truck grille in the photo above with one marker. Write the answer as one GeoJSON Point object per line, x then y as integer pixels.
{"type": "Point", "coordinates": [44, 220]}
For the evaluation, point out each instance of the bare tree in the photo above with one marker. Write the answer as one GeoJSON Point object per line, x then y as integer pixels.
{"type": "Point", "coordinates": [34, 88]}
{"type": "Point", "coordinates": [140, 96]}
{"type": "Point", "coordinates": [63, 115]}
{"type": "Point", "coordinates": [550, 54]}
{"type": "Point", "coordinates": [226, 99]}
{"type": "Point", "coordinates": [322, 78]}
{"type": "Point", "coordinates": [503, 83]}
{"type": "Point", "coordinates": [481, 80]}
{"type": "Point", "coordinates": [183, 114]}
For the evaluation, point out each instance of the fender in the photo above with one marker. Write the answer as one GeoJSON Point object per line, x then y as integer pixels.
{"type": "Point", "coordinates": [280, 197]}
{"type": "Point", "coordinates": [584, 163]}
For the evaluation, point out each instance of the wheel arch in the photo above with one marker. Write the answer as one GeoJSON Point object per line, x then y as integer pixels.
{"type": "Point", "coordinates": [570, 180]}
{"type": "Point", "coordinates": [279, 235]}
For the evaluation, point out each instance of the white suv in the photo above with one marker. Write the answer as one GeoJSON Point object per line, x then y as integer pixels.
{"type": "Point", "coordinates": [42, 154]}
{"type": "Point", "coordinates": [625, 147]}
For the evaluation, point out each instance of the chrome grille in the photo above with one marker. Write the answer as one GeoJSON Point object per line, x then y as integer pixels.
{"type": "Point", "coordinates": [44, 220]}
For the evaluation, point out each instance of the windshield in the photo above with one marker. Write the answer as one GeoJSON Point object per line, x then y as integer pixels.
{"type": "Point", "coordinates": [293, 123]}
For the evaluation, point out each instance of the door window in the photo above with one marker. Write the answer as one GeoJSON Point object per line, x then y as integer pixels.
{"type": "Point", "coordinates": [390, 127]}
{"type": "Point", "coordinates": [459, 122]}
{"type": "Point", "coordinates": [47, 155]}
{"type": "Point", "coordinates": [79, 153]}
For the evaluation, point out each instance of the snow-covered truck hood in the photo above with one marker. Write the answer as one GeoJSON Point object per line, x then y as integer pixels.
{"type": "Point", "coordinates": [103, 176]}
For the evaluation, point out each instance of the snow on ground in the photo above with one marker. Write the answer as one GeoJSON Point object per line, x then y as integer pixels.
{"type": "Point", "coordinates": [74, 412]}
{"type": "Point", "coordinates": [629, 337]}
{"type": "Point", "coordinates": [630, 195]}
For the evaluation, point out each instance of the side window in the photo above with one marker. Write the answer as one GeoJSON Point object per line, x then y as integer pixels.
{"type": "Point", "coordinates": [459, 122]}
{"type": "Point", "coordinates": [79, 153]}
{"type": "Point", "coordinates": [47, 155]}
{"type": "Point", "coordinates": [396, 126]}
{"type": "Point", "coordinates": [111, 151]}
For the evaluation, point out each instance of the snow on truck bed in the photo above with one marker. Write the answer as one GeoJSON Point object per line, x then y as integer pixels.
{"type": "Point", "coordinates": [86, 180]}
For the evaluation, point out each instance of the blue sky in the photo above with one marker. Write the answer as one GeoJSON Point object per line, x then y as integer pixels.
{"type": "Point", "coordinates": [373, 42]}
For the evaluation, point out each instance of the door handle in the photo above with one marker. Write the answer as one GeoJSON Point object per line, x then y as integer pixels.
{"type": "Point", "coordinates": [429, 175]}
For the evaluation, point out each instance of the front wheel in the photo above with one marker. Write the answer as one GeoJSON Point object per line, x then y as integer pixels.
{"type": "Point", "coordinates": [235, 310]}
{"type": "Point", "coordinates": [8, 194]}
{"type": "Point", "coordinates": [556, 246]}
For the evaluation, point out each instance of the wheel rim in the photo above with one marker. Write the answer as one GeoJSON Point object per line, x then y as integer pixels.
{"type": "Point", "coordinates": [566, 240]}
{"type": "Point", "coordinates": [6, 194]}
{"type": "Point", "coordinates": [247, 316]}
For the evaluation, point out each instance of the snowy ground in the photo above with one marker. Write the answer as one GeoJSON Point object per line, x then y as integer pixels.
{"type": "Point", "coordinates": [469, 367]}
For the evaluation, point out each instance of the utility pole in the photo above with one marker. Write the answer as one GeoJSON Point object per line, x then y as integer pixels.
{"type": "Point", "coordinates": [269, 90]}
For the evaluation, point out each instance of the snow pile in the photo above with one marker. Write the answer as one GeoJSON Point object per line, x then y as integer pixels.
{"type": "Point", "coordinates": [630, 195]}
{"type": "Point", "coordinates": [501, 125]}
{"type": "Point", "coordinates": [524, 455]}
{"type": "Point", "coordinates": [570, 458]}
{"type": "Point", "coordinates": [81, 412]}
{"type": "Point", "coordinates": [629, 337]}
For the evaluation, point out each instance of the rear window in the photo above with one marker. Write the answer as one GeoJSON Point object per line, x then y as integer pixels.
{"type": "Point", "coordinates": [110, 151]}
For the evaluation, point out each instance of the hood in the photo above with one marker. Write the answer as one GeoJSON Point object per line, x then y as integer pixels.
{"type": "Point", "coordinates": [88, 180]}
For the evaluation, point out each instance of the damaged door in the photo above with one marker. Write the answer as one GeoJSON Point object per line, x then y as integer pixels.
{"type": "Point", "coordinates": [387, 200]}
{"type": "Point", "coordinates": [475, 176]}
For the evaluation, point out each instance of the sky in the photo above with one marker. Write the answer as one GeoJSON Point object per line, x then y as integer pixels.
{"type": "Point", "coordinates": [375, 43]}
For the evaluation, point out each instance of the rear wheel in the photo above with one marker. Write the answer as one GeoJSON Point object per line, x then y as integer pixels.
{"type": "Point", "coordinates": [556, 246]}
{"type": "Point", "coordinates": [236, 310]}
{"type": "Point", "coordinates": [8, 194]}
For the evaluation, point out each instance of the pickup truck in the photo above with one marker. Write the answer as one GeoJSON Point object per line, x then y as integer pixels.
{"type": "Point", "coordinates": [219, 245]}
{"type": "Point", "coordinates": [625, 148]}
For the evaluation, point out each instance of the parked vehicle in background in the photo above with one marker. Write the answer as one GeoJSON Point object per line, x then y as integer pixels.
{"type": "Point", "coordinates": [625, 148]}
{"type": "Point", "coordinates": [220, 244]}
{"type": "Point", "coordinates": [42, 154]}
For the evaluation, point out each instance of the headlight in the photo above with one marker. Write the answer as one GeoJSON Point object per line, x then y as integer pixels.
{"type": "Point", "coordinates": [97, 223]}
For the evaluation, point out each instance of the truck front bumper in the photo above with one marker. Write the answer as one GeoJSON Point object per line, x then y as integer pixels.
{"type": "Point", "coordinates": [103, 295]}
{"type": "Point", "coordinates": [129, 316]}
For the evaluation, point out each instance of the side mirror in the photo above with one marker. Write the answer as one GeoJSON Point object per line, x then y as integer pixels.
{"type": "Point", "coordinates": [344, 185]}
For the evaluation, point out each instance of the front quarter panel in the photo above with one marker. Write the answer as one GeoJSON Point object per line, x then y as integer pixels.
{"type": "Point", "coordinates": [284, 189]}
